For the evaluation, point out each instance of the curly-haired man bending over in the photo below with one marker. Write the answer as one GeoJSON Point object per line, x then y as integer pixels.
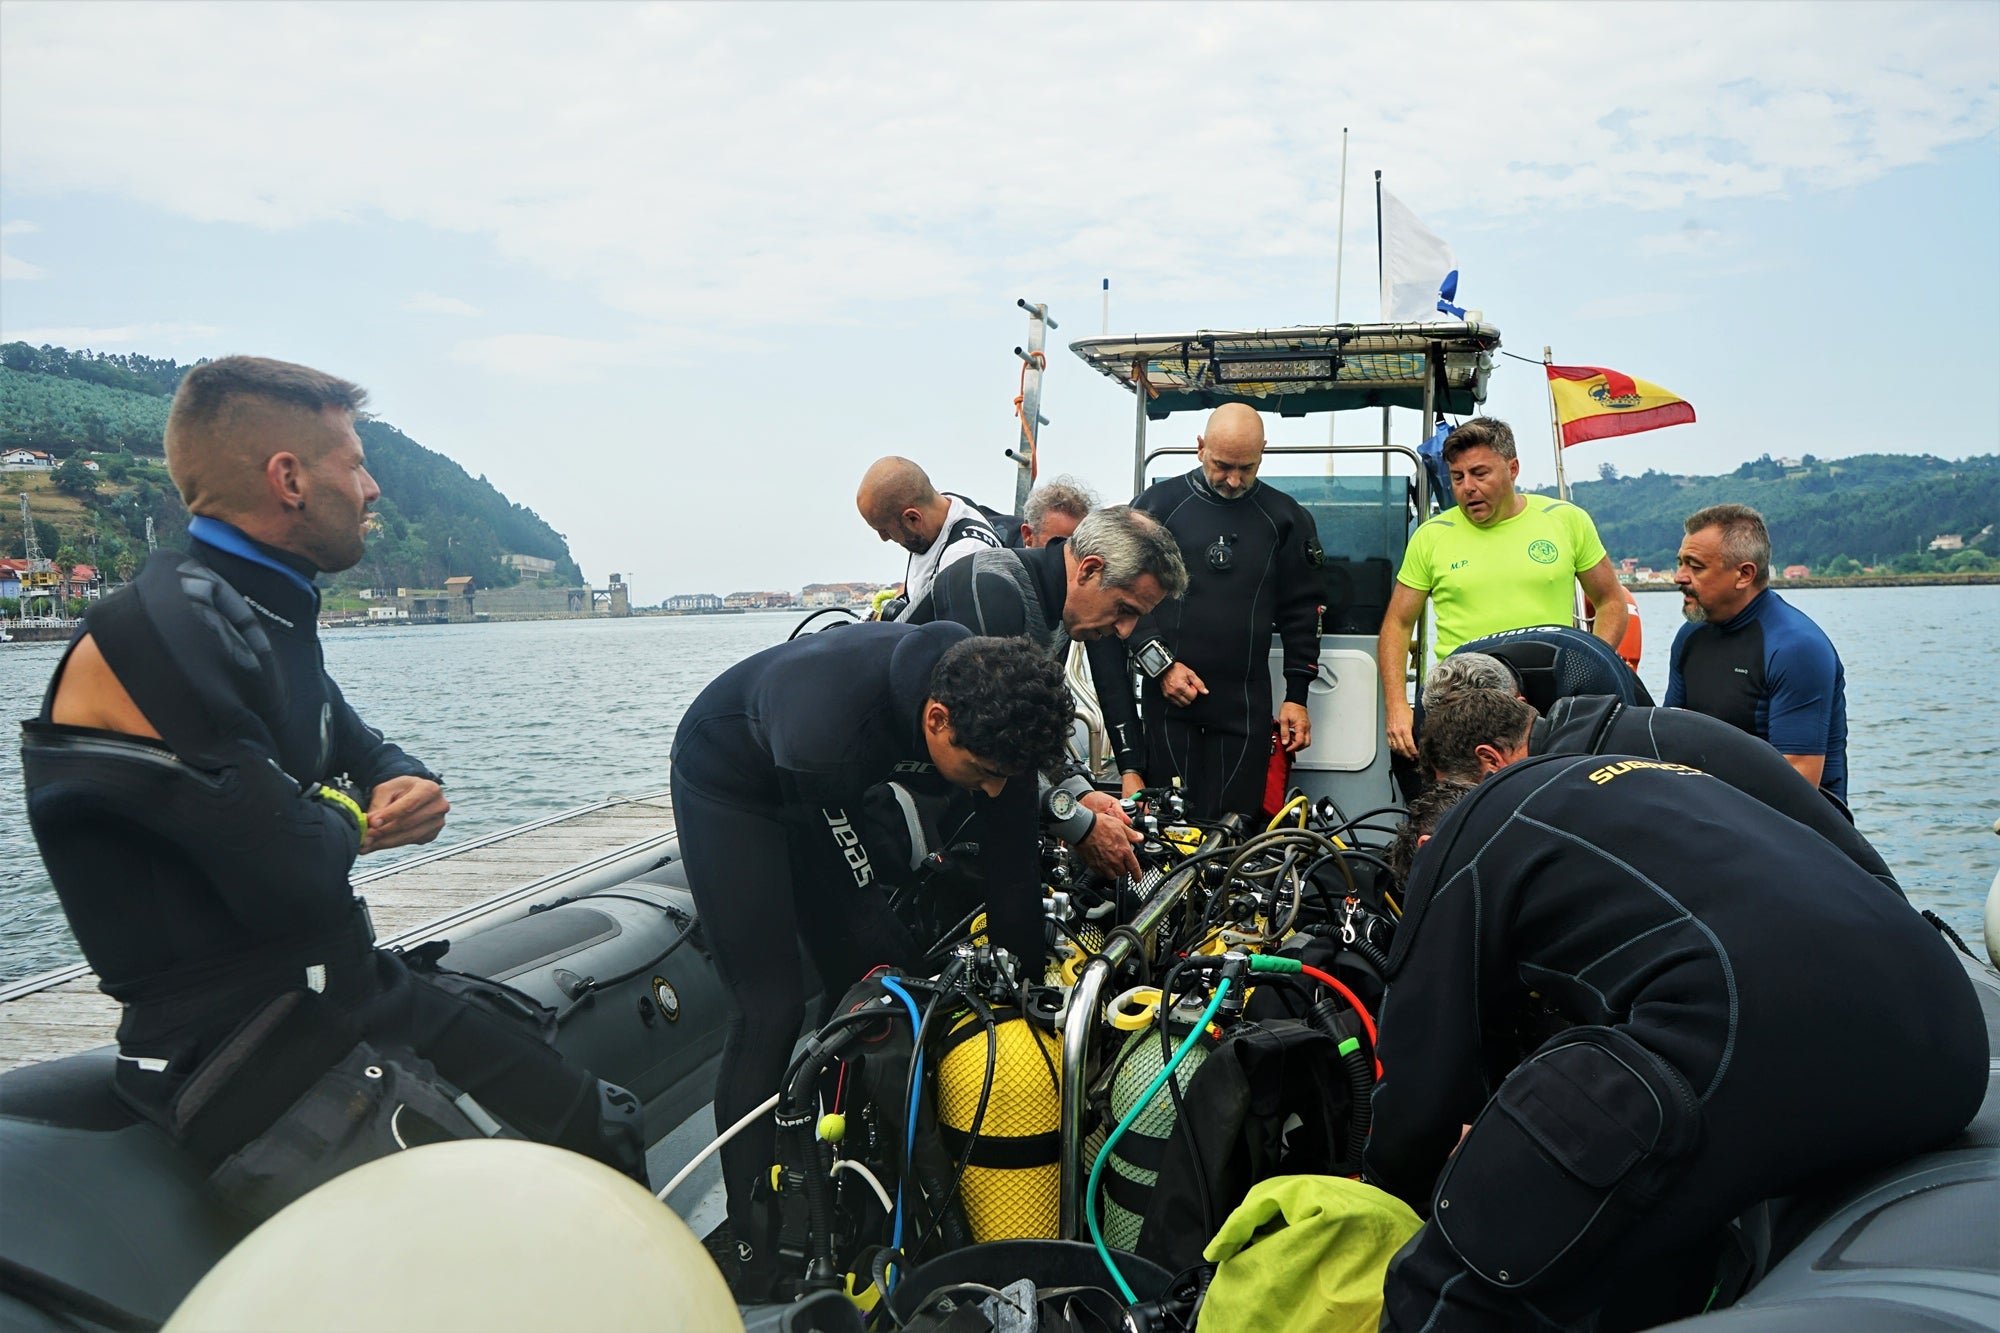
{"type": "Point", "coordinates": [769, 767]}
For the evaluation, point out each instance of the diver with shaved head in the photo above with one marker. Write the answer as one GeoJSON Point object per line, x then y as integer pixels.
{"type": "Point", "coordinates": [899, 503]}
{"type": "Point", "coordinates": [1253, 559]}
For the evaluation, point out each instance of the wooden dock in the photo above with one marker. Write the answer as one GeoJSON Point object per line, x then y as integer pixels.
{"type": "Point", "coordinates": [498, 876]}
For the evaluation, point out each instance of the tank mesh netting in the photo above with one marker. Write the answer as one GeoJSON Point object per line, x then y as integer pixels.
{"type": "Point", "coordinates": [1024, 1105]}
{"type": "Point", "coordinates": [1138, 1064]}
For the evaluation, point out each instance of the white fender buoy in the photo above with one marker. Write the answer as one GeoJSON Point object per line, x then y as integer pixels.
{"type": "Point", "coordinates": [490, 1234]}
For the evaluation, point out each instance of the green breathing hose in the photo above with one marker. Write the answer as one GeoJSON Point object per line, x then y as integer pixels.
{"type": "Point", "coordinates": [1138, 1108]}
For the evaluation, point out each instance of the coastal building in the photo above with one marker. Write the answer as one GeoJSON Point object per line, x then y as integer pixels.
{"type": "Point", "coordinates": [692, 601]}
{"type": "Point", "coordinates": [1797, 572]}
{"type": "Point", "coordinates": [837, 594]}
{"type": "Point", "coordinates": [529, 564]}
{"type": "Point", "coordinates": [1950, 541]}
{"type": "Point", "coordinates": [755, 601]}
{"type": "Point", "coordinates": [26, 460]}
{"type": "Point", "coordinates": [10, 577]}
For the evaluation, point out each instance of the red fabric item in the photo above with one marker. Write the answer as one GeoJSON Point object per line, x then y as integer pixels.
{"type": "Point", "coordinates": [1277, 776]}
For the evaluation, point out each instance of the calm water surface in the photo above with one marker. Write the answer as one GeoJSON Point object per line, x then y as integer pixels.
{"type": "Point", "coordinates": [528, 719]}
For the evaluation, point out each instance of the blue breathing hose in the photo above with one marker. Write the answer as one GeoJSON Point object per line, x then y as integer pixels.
{"type": "Point", "coordinates": [1138, 1109]}
{"type": "Point", "coordinates": [895, 988]}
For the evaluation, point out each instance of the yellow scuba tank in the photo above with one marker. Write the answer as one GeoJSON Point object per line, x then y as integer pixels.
{"type": "Point", "coordinates": [1012, 1185]}
{"type": "Point", "coordinates": [1133, 1170]}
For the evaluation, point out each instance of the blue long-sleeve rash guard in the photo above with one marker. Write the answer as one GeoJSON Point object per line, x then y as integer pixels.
{"type": "Point", "coordinates": [1770, 671]}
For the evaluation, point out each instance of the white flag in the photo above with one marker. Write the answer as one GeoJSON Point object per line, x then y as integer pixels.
{"type": "Point", "coordinates": [1418, 269]}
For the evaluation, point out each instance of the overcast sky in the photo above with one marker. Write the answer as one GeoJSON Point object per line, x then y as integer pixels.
{"type": "Point", "coordinates": [673, 276]}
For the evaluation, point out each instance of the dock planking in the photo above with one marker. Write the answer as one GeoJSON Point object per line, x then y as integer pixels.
{"type": "Point", "coordinates": [63, 1012]}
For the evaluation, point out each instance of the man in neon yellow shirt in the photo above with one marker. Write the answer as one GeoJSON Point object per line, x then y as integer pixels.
{"type": "Point", "coordinates": [1499, 560]}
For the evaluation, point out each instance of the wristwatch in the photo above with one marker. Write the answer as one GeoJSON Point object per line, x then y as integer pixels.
{"type": "Point", "coordinates": [1153, 658]}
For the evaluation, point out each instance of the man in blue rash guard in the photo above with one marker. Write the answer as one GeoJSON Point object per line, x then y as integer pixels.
{"type": "Point", "coordinates": [199, 788]}
{"type": "Point", "coordinates": [770, 764]}
{"type": "Point", "coordinates": [1721, 975]}
{"type": "Point", "coordinates": [1749, 657]}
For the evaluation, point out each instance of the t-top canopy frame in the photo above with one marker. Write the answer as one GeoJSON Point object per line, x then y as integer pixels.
{"type": "Point", "coordinates": [1300, 371]}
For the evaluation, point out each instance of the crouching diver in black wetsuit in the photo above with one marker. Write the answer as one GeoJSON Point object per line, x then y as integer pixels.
{"type": "Point", "coordinates": [1469, 733]}
{"type": "Point", "coordinates": [1751, 1013]}
{"type": "Point", "coordinates": [769, 766]}
{"type": "Point", "coordinates": [199, 790]}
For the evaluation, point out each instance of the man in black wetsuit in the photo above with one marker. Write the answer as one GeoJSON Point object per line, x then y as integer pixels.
{"type": "Point", "coordinates": [770, 764]}
{"type": "Point", "coordinates": [1117, 566]}
{"type": "Point", "coordinates": [1253, 557]}
{"type": "Point", "coordinates": [199, 788]}
{"type": "Point", "coordinates": [1724, 973]}
{"type": "Point", "coordinates": [1471, 733]}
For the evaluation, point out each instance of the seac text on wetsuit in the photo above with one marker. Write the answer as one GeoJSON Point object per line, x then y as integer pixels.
{"type": "Point", "coordinates": [1770, 671]}
{"type": "Point", "coordinates": [1599, 724]}
{"type": "Point", "coordinates": [770, 764]}
{"type": "Point", "coordinates": [1253, 567]}
{"type": "Point", "coordinates": [1707, 950]}
{"type": "Point", "coordinates": [203, 873]}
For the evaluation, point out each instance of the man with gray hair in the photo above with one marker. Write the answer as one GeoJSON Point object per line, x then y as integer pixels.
{"type": "Point", "coordinates": [1053, 510]}
{"type": "Point", "coordinates": [1468, 671]}
{"type": "Point", "coordinates": [1091, 587]}
{"type": "Point", "coordinates": [1749, 657]}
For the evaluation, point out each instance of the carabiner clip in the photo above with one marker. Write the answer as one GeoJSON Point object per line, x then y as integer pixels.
{"type": "Point", "coordinates": [1347, 934]}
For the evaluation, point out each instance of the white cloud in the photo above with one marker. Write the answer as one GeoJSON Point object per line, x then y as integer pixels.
{"type": "Point", "coordinates": [431, 303]}
{"type": "Point", "coordinates": [14, 269]}
{"type": "Point", "coordinates": [18, 228]}
{"type": "Point", "coordinates": [702, 166]}
{"type": "Point", "coordinates": [76, 336]}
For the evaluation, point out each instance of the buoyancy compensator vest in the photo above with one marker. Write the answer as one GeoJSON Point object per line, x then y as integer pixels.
{"type": "Point", "coordinates": [1269, 1099]}
{"type": "Point", "coordinates": [1556, 662]}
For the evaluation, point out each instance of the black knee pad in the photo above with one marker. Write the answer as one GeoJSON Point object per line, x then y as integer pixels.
{"type": "Point", "coordinates": [1577, 1143]}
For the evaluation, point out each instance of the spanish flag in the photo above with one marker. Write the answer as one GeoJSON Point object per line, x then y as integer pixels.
{"type": "Point", "coordinates": [1593, 403]}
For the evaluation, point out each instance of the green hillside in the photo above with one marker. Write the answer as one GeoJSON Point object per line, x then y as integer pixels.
{"type": "Point", "coordinates": [436, 521]}
{"type": "Point", "coordinates": [1834, 515]}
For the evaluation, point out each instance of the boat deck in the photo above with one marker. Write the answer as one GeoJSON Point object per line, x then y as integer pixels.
{"type": "Point", "coordinates": [62, 1012]}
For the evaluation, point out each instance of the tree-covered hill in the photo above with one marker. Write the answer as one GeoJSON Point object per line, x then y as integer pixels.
{"type": "Point", "coordinates": [1871, 509]}
{"type": "Point", "coordinates": [435, 520]}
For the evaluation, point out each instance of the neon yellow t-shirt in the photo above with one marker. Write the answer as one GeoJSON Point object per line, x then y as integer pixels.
{"type": "Point", "coordinates": [1519, 572]}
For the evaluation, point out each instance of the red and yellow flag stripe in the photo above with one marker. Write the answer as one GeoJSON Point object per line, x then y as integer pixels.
{"type": "Point", "coordinates": [1593, 403]}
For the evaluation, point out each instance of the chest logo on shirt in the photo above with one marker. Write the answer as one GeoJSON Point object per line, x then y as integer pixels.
{"type": "Point", "coordinates": [1542, 551]}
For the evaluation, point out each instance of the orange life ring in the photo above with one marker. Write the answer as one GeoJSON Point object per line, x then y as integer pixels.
{"type": "Point", "coordinates": [1634, 640]}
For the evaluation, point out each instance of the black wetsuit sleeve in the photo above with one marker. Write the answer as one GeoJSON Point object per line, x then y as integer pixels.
{"type": "Point", "coordinates": [1111, 674]}
{"type": "Point", "coordinates": [1300, 590]}
{"type": "Point", "coordinates": [1433, 1079]}
{"type": "Point", "coordinates": [363, 753]}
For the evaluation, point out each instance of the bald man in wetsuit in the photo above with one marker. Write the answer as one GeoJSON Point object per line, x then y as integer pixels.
{"type": "Point", "coordinates": [1253, 559]}
{"type": "Point", "coordinates": [898, 502]}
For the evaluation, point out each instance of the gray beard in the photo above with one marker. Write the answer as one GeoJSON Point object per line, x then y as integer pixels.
{"type": "Point", "coordinates": [1694, 611]}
